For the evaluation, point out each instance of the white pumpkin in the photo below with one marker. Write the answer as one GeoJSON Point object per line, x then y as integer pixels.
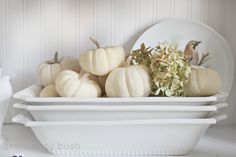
{"type": "Point", "coordinates": [72, 84]}
{"type": "Point", "coordinates": [49, 91]}
{"type": "Point", "coordinates": [132, 81]}
{"type": "Point", "coordinates": [203, 82]}
{"type": "Point", "coordinates": [48, 71]}
{"type": "Point", "coordinates": [101, 61]}
{"type": "Point", "coordinates": [101, 80]}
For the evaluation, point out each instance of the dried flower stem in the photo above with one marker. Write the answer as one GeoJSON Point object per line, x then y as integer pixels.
{"type": "Point", "coordinates": [127, 61]}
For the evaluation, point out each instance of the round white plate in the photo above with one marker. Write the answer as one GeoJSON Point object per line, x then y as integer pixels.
{"type": "Point", "coordinates": [180, 32]}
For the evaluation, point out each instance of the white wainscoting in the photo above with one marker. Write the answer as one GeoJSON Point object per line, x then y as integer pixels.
{"type": "Point", "coordinates": [32, 30]}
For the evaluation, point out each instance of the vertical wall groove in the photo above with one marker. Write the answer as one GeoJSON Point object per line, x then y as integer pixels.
{"type": "Point", "coordinates": [7, 68]}
{"type": "Point", "coordinates": [6, 35]}
{"type": "Point", "coordinates": [77, 44]}
{"type": "Point", "coordinates": [222, 20]}
{"type": "Point", "coordinates": [112, 12]}
{"type": "Point", "coordinates": [94, 18]}
{"type": "Point", "coordinates": [206, 11]}
{"type": "Point", "coordinates": [190, 9]}
{"type": "Point", "coordinates": [78, 29]}
{"type": "Point", "coordinates": [172, 9]}
{"type": "Point", "coordinates": [59, 27]}
{"type": "Point", "coordinates": [42, 49]}
{"type": "Point", "coordinates": [24, 41]}
{"type": "Point", "coordinates": [156, 10]}
{"type": "Point", "coordinates": [137, 15]}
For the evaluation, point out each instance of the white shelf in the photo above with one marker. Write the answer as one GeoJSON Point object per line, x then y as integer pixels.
{"type": "Point", "coordinates": [219, 141]}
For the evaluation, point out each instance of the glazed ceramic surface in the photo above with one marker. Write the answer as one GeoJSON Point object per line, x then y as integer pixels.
{"type": "Point", "coordinates": [121, 112]}
{"type": "Point", "coordinates": [150, 137]}
{"type": "Point", "coordinates": [30, 96]}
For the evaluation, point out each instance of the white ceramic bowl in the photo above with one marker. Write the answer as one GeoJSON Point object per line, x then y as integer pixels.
{"type": "Point", "coordinates": [120, 138]}
{"type": "Point", "coordinates": [107, 112]}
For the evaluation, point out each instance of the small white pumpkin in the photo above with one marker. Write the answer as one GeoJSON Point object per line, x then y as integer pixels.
{"type": "Point", "coordinates": [49, 91]}
{"type": "Point", "coordinates": [203, 82]}
{"type": "Point", "coordinates": [48, 71]}
{"type": "Point", "coordinates": [132, 81]}
{"type": "Point", "coordinates": [101, 80]}
{"type": "Point", "coordinates": [101, 61]}
{"type": "Point", "coordinates": [71, 84]}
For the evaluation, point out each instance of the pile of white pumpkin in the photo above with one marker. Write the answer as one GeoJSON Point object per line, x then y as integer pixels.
{"type": "Point", "coordinates": [98, 72]}
{"type": "Point", "coordinates": [105, 72]}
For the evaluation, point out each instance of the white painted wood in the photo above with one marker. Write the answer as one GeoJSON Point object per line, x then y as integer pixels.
{"type": "Point", "coordinates": [181, 8]}
{"type": "Point", "coordinates": [215, 13]}
{"type": "Point", "coordinates": [146, 17]}
{"type": "Point", "coordinates": [103, 22]}
{"type": "Point", "coordinates": [3, 34]}
{"type": "Point", "coordinates": [86, 23]}
{"type": "Point", "coordinates": [197, 10]}
{"type": "Point", "coordinates": [165, 9]}
{"type": "Point", "coordinates": [230, 35]}
{"type": "Point", "coordinates": [125, 19]}
{"type": "Point", "coordinates": [51, 38]}
{"type": "Point", "coordinates": [68, 12]}
{"type": "Point", "coordinates": [32, 30]}
{"type": "Point", "coordinates": [32, 45]}
{"type": "Point", "coordinates": [16, 67]}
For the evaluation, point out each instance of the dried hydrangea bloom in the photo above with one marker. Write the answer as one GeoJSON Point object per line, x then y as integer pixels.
{"type": "Point", "coordinates": [168, 67]}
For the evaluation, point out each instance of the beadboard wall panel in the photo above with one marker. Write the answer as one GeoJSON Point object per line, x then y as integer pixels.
{"type": "Point", "coordinates": [3, 38]}
{"type": "Point", "coordinates": [68, 22]}
{"type": "Point", "coordinates": [86, 22]}
{"type": "Point", "coordinates": [31, 31]}
{"type": "Point", "coordinates": [33, 46]}
{"type": "Point", "coordinates": [230, 35]}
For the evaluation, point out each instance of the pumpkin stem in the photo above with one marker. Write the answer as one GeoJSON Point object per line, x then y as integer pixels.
{"type": "Point", "coordinates": [56, 59]}
{"type": "Point", "coordinates": [95, 42]}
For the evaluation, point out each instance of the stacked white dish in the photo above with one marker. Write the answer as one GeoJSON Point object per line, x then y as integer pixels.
{"type": "Point", "coordinates": [147, 126]}
{"type": "Point", "coordinates": [78, 109]}
{"type": "Point", "coordinates": [118, 126]}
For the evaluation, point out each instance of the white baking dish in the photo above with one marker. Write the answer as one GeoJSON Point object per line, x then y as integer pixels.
{"type": "Point", "coordinates": [105, 112]}
{"type": "Point", "coordinates": [30, 96]}
{"type": "Point", "coordinates": [120, 138]}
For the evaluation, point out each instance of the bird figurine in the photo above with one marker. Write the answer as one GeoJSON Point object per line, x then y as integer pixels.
{"type": "Point", "coordinates": [191, 52]}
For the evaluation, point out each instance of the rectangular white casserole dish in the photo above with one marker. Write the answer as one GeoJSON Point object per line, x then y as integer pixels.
{"type": "Point", "coordinates": [107, 112]}
{"type": "Point", "coordinates": [30, 96]}
{"type": "Point", "coordinates": [149, 137]}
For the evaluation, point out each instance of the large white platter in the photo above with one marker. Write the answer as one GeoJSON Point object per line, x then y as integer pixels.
{"type": "Point", "coordinates": [180, 32]}
{"type": "Point", "coordinates": [30, 96]}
